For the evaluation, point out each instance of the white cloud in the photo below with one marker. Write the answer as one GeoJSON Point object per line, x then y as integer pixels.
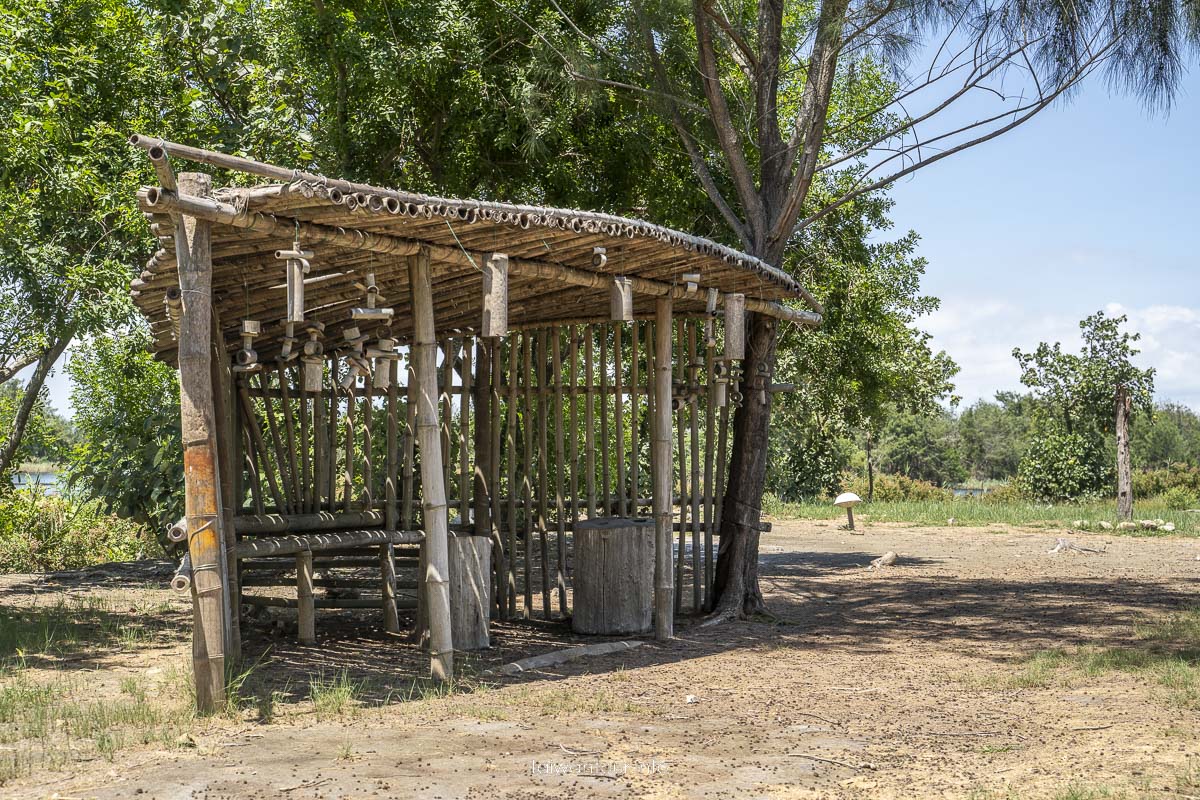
{"type": "Point", "coordinates": [980, 337]}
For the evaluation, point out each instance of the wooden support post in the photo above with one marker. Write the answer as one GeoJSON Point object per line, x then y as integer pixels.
{"type": "Point", "coordinates": [205, 523]}
{"type": "Point", "coordinates": [433, 482]}
{"type": "Point", "coordinates": [693, 389]}
{"type": "Point", "coordinates": [306, 622]}
{"type": "Point", "coordinates": [391, 509]}
{"type": "Point", "coordinates": [482, 487]}
{"type": "Point", "coordinates": [499, 556]}
{"type": "Point", "coordinates": [710, 419]}
{"type": "Point", "coordinates": [664, 574]}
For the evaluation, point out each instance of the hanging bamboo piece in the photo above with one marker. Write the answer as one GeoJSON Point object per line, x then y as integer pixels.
{"type": "Point", "coordinates": [560, 572]}
{"type": "Point", "coordinates": [433, 487]}
{"type": "Point", "coordinates": [735, 327]}
{"type": "Point", "coordinates": [621, 300]}
{"type": "Point", "coordinates": [206, 536]}
{"type": "Point", "coordinates": [664, 602]}
{"type": "Point", "coordinates": [495, 296]}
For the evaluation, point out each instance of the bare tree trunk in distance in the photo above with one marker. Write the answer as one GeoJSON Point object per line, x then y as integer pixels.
{"type": "Point", "coordinates": [45, 363]}
{"type": "Point", "coordinates": [1124, 465]}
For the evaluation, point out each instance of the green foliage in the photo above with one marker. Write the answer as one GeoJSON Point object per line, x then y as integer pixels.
{"type": "Point", "coordinates": [1156, 482]}
{"type": "Point", "coordinates": [48, 436]}
{"type": "Point", "coordinates": [895, 488]}
{"type": "Point", "coordinates": [1179, 498]}
{"type": "Point", "coordinates": [129, 453]}
{"type": "Point", "coordinates": [1065, 465]}
{"type": "Point", "coordinates": [922, 447]}
{"type": "Point", "coordinates": [39, 533]}
{"type": "Point", "coordinates": [992, 437]}
{"type": "Point", "coordinates": [1170, 436]}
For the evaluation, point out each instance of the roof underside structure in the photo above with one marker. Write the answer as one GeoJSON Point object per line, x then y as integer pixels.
{"type": "Point", "coordinates": [556, 275]}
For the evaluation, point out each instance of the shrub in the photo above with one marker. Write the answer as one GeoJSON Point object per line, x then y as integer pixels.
{"type": "Point", "coordinates": [1005, 494]}
{"type": "Point", "coordinates": [1062, 466]}
{"type": "Point", "coordinates": [1179, 498]}
{"type": "Point", "coordinates": [1155, 482]}
{"type": "Point", "coordinates": [39, 533]}
{"type": "Point", "coordinates": [891, 488]}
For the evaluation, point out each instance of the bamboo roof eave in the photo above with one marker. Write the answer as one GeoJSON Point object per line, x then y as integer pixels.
{"type": "Point", "coordinates": [355, 229]}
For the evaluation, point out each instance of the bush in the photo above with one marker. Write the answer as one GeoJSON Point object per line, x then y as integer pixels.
{"type": "Point", "coordinates": [1179, 498]}
{"type": "Point", "coordinates": [1155, 482]}
{"type": "Point", "coordinates": [891, 488]}
{"type": "Point", "coordinates": [1062, 466]}
{"type": "Point", "coordinates": [40, 533]}
{"type": "Point", "coordinates": [1003, 495]}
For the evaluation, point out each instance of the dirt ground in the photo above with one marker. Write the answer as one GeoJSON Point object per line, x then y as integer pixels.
{"type": "Point", "coordinates": [884, 683]}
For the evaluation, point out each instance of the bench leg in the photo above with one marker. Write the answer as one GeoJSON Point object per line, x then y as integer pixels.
{"type": "Point", "coordinates": [305, 606]}
{"type": "Point", "coordinates": [387, 583]}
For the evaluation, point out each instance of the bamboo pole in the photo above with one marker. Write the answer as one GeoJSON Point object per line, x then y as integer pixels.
{"type": "Point", "coordinates": [225, 412]}
{"type": "Point", "coordinates": [305, 610]}
{"type": "Point", "coordinates": [530, 429]}
{"type": "Point", "coordinates": [511, 448]}
{"type": "Point", "coordinates": [680, 430]}
{"type": "Point", "coordinates": [573, 393]}
{"type": "Point", "coordinates": [694, 432]}
{"type": "Point", "coordinates": [560, 572]}
{"type": "Point", "coordinates": [391, 511]}
{"type": "Point", "coordinates": [464, 436]}
{"type": "Point", "coordinates": [605, 474]}
{"type": "Point", "coordinates": [368, 442]}
{"type": "Point", "coordinates": [635, 489]}
{"type": "Point", "coordinates": [445, 394]}
{"type": "Point", "coordinates": [482, 487]}
{"type": "Point", "coordinates": [320, 452]}
{"type": "Point", "coordinates": [205, 524]}
{"type": "Point", "coordinates": [619, 416]}
{"type": "Point", "coordinates": [589, 423]}
{"type": "Point", "coordinates": [309, 495]}
{"type": "Point", "coordinates": [251, 420]}
{"type": "Point", "coordinates": [664, 603]}
{"type": "Point", "coordinates": [285, 479]}
{"type": "Point", "coordinates": [251, 470]}
{"type": "Point", "coordinates": [348, 443]}
{"type": "Point", "coordinates": [543, 427]}
{"type": "Point", "coordinates": [433, 486]}
{"type": "Point", "coordinates": [499, 556]}
{"type": "Point", "coordinates": [410, 432]}
{"type": "Point", "coordinates": [334, 404]}
{"type": "Point", "coordinates": [710, 418]}
{"type": "Point", "coordinates": [289, 423]}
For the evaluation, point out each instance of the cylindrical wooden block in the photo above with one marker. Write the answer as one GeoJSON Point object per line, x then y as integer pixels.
{"type": "Point", "coordinates": [470, 591]}
{"type": "Point", "coordinates": [614, 575]}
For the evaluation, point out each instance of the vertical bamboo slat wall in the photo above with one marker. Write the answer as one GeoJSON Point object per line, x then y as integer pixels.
{"type": "Point", "coordinates": [568, 415]}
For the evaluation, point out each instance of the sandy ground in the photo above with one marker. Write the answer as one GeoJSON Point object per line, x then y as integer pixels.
{"type": "Point", "coordinates": [879, 684]}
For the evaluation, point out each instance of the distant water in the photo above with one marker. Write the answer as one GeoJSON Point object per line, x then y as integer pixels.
{"type": "Point", "coordinates": [46, 481]}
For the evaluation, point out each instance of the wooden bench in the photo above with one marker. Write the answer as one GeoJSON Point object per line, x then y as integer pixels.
{"type": "Point", "coordinates": [301, 535]}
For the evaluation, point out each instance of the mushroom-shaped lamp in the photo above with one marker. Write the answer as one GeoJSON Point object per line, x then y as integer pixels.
{"type": "Point", "coordinates": [848, 500]}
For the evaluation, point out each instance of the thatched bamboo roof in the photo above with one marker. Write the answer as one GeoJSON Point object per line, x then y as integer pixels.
{"type": "Point", "coordinates": [353, 229]}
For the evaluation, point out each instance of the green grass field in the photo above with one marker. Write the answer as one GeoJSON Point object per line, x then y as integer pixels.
{"type": "Point", "coordinates": [975, 513]}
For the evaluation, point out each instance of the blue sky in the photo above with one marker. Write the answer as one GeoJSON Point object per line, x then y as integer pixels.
{"type": "Point", "coordinates": [1091, 205]}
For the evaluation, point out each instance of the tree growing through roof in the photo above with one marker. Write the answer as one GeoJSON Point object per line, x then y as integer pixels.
{"type": "Point", "coordinates": [751, 87]}
{"type": "Point", "coordinates": [1097, 392]}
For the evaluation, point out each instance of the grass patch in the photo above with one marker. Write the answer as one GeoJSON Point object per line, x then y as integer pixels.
{"type": "Point", "coordinates": [53, 724]}
{"type": "Point", "coordinates": [73, 625]}
{"type": "Point", "coordinates": [973, 512]}
{"type": "Point", "coordinates": [1167, 652]}
{"type": "Point", "coordinates": [332, 697]}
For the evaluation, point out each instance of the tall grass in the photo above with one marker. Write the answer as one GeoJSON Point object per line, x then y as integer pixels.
{"type": "Point", "coordinates": [41, 532]}
{"type": "Point", "coordinates": [974, 512]}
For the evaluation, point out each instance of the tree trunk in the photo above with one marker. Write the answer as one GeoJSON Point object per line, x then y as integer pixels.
{"type": "Point", "coordinates": [44, 364]}
{"type": "Point", "coordinates": [870, 471]}
{"type": "Point", "coordinates": [1124, 466]}
{"type": "Point", "coordinates": [736, 583]}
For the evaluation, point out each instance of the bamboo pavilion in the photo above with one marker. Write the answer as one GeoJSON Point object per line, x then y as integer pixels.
{"type": "Point", "coordinates": [442, 391]}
